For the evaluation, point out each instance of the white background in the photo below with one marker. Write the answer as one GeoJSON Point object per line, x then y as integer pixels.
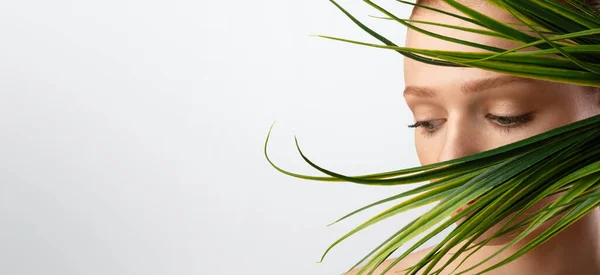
{"type": "Point", "coordinates": [132, 135]}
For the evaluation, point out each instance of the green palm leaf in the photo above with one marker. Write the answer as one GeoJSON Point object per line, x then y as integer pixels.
{"type": "Point", "coordinates": [507, 180]}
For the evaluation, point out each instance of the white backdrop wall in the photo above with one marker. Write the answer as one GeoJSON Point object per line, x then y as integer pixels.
{"type": "Point", "coordinates": [132, 133]}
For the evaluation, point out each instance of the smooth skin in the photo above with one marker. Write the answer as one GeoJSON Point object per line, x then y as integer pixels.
{"type": "Point", "coordinates": [463, 111]}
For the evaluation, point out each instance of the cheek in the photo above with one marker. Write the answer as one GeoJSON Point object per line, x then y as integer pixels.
{"type": "Point", "coordinates": [419, 146]}
{"type": "Point", "coordinates": [427, 150]}
{"type": "Point", "coordinates": [586, 107]}
{"type": "Point", "coordinates": [557, 115]}
{"type": "Point", "coordinates": [567, 104]}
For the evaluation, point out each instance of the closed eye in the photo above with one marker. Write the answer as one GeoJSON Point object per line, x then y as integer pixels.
{"type": "Point", "coordinates": [429, 126]}
{"type": "Point", "coordinates": [510, 121]}
{"type": "Point", "coordinates": [504, 123]}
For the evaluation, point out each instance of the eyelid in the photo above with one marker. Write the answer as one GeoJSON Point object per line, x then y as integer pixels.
{"type": "Point", "coordinates": [421, 123]}
{"type": "Point", "coordinates": [514, 120]}
{"type": "Point", "coordinates": [506, 116]}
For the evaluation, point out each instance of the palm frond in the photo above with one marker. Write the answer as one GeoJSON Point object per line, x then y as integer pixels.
{"type": "Point", "coordinates": [508, 180]}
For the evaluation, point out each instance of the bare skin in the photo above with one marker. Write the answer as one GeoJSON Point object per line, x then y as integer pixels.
{"type": "Point", "coordinates": [460, 108]}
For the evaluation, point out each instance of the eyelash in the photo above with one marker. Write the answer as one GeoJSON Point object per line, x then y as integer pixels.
{"type": "Point", "coordinates": [510, 122]}
{"type": "Point", "coordinates": [425, 132]}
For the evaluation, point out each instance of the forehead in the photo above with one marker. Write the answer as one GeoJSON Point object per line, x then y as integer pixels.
{"type": "Point", "coordinates": [418, 73]}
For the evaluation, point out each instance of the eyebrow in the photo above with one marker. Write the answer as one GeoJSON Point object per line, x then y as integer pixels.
{"type": "Point", "coordinates": [472, 86]}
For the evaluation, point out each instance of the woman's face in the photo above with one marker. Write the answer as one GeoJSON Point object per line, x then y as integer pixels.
{"type": "Point", "coordinates": [463, 111]}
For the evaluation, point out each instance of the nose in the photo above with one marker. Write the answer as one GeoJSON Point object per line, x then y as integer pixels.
{"type": "Point", "coordinates": [461, 139]}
